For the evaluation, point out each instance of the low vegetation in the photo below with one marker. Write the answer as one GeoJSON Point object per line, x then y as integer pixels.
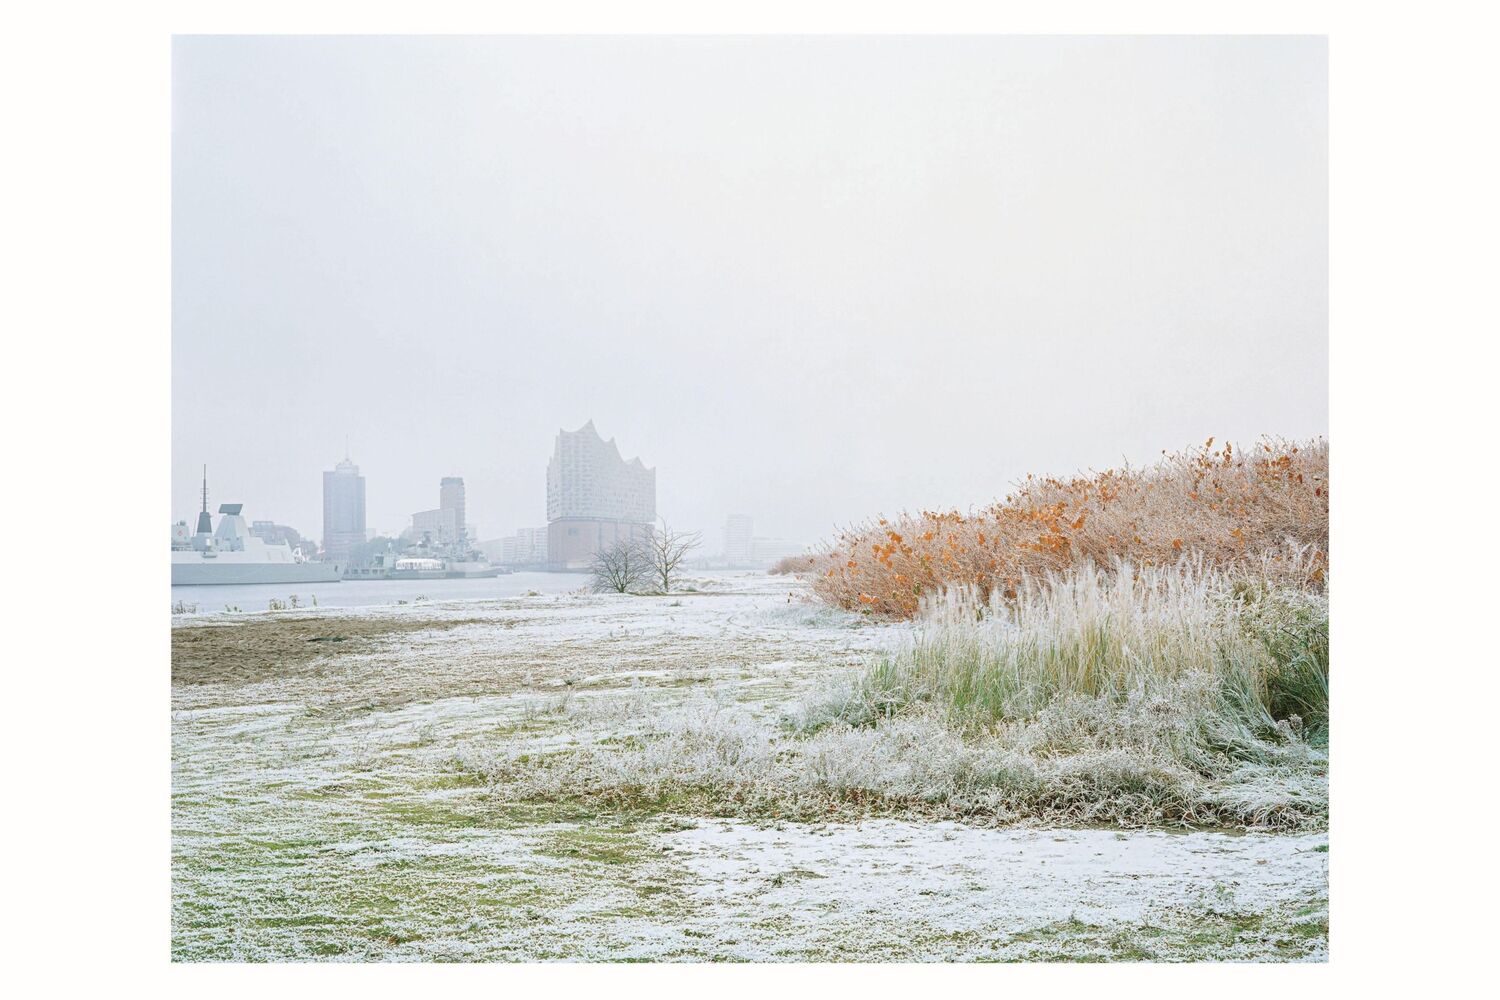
{"type": "Point", "coordinates": [528, 780]}
{"type": "Point", "coordinates": [284, 648]}
{"type": "Point", "coordinates": [1179, 696]}
{"type": "Point", "coordinates": [1161, 696]}
{"type": "Point", "coordinates": [1150, 759]}
{"type": "Point", "coordinates": [789, 565]}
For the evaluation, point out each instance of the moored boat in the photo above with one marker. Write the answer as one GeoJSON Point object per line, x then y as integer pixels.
{"type": "Point", "coordinates": [230, 554]}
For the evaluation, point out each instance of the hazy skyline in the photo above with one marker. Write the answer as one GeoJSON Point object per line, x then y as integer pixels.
{"type": "Point", "coordinates": [807, 279]}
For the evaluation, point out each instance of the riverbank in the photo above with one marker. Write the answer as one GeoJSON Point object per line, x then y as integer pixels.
{"type": "Point", "coordinates": [206, 600]}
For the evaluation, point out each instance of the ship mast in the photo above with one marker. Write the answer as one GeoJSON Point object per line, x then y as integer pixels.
{"type": "Point", "coordinates": [205, 523]}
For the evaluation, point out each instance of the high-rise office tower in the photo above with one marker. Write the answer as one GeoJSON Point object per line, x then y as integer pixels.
{"type": "Point", "coordinates": [343, 511]}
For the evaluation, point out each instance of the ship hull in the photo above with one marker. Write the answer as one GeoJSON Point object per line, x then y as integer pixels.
{"type": "Point", "coordinates": [417, 574]}
{"type": "Point", "coordinates": [207, 573]}
{"type": "Point", "coordinates": [472, 570]}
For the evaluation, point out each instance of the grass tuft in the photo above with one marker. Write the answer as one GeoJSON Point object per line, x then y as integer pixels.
{"type": "Point", "coordinates": [1111, 634]}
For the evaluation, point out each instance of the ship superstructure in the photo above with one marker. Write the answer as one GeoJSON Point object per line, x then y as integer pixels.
{"type": "Point", "coordinates": [231, 554]}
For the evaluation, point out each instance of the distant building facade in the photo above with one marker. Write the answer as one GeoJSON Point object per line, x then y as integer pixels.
{"type": "Point", "coordinates": [436, 527]}
{"type": "Point", "coordinates": [343, 511]}
{"type": "Point", "coordinates": [764, 551]}
{"type": "Point", "coordinates": [531, 544]}
{"type": "Point", "coordinates": [594, 498]}
{"type": "Point", "coordinates": [446, 525]}
{"type": "Point", "coordinates": [451, 497]}
{"type": "Point", "coordinates": [276, 534]}
{"type": "Point", "coordinates": [527, 547]}
{"type": "Point", "coordinates": [739, 538]}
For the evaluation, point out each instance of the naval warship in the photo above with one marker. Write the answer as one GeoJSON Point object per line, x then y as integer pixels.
{"type": "Point", "coordinates": [231, 554]}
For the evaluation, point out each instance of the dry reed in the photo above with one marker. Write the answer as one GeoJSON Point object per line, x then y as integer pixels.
{"type": "Point", "coordinates": [1267, 508]}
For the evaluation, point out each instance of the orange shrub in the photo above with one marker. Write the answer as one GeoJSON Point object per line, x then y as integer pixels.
{"type": "Point", "coordinates": [1267, 509]}
{"type": "Point", "coordinates": [793, 564]}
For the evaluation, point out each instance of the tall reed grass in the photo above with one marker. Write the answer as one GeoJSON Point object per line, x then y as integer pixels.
{"type": "Point", "coordinates": [1267, 507]}
{"type": "Point", "coordinates": [1110, 633]}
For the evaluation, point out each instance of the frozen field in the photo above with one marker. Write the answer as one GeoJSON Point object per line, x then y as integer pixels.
{"type": "Point", "coordinates": [324, 806]}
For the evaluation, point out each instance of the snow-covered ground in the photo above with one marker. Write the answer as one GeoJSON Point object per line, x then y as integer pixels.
{"type": "Point", "coordinates": [963, 894]}
{"type": "Point", "coordinates": [320, 810]}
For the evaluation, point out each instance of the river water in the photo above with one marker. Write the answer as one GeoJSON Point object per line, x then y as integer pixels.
{"type": "Point", "coordinates": [372, 593]}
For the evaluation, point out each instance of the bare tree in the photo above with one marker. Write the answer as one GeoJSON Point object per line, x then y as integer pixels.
{"type": "Point", "coordinates": [620, 566]}
{"type": "Point", "coordinates": [666, 549]}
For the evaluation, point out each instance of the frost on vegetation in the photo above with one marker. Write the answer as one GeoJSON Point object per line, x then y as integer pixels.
{"type": "Point", "coordinates": [441, 799]}
{"type": "Point", "coordinates": [1148, 761]}
{"type": "Point", "coordinates": [1115, 633]}
{"type": "Point", "coordinates": [797, 612]}
{"type": "Point", "coordinates": [1264, 511]}
{"type": "Point", "coordinates": [1155, 696]}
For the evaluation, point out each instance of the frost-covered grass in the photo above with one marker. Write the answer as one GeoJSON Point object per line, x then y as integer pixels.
{"type": "Point", "coordinates": [1162, 696]}
{"type": "Point", "coordinates": [1144, 760]}
{"type": "Point", "coordinates": [946, 891]}
{"type": "Point", "coordinates": [1116, 634]}
{"type": "Point", "coordinates": [538, 779]}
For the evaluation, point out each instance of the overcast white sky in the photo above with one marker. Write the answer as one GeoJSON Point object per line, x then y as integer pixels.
{"type": "Point", "coordinates": [807, 279]}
